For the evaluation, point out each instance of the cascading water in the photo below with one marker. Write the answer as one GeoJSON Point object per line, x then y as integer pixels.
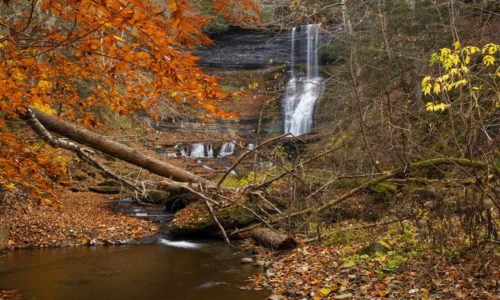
{"type": "Point", "coordinates": [227, 149]}
{"type": "Point", "coordinates": [210, 151]}
{"type": "Point", "coordinates": [302, 92]}
{"type": "Point", "coordinates": [197, 150]}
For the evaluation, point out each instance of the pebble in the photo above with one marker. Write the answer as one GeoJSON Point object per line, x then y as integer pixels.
{"type": "Point", "coordinates": [276, 297]}
{"type": "Point", "coordinates": [246, 260]}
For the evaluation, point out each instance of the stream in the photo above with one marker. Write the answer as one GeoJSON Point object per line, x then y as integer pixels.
{"type": "Point", "coordinates": [156, 268]}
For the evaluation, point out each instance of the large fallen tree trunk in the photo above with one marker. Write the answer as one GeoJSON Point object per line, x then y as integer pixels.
{"type": "Point", "coordinates": [115, 149]}
{"type": "Point", "coordinates": [175, 177]}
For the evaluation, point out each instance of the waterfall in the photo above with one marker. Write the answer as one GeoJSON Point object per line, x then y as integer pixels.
{"type": "Point", "coordinates": [210, 151]}
{"type": "Point", "coordinates": [301, 92]}
{"type": "Point", "coordinates": [227, 149]}
{"type": "Point", "coordinates": [197, 150]}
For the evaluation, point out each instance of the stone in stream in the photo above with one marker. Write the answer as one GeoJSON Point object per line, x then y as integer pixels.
{"type": "Point", "coordinates": [246, 260]}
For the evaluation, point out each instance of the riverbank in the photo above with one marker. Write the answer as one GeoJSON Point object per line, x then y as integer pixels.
{"type": "Point", "coordinates": [353, 270]}
{"type": "Point", "coordinates": [78, 218]}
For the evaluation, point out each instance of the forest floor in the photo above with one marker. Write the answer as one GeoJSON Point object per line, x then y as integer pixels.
{"type": "Point", "coordinates": [80, 218]}
{"type": "Point", "coordinates": [318, 271]}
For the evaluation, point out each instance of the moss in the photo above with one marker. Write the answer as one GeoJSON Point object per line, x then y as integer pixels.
{"type": "Point", "coordinates": [385, 188]}
{"type": "Point", "coordinates": [158, 196]}
{"type": "Point", "coordinates": [195, 220]}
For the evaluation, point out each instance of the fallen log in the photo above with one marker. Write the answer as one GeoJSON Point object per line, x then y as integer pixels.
{"type": "Point", "coordinates": [114, 149]}
{"type": "Point", "coordinates": [272, 239]}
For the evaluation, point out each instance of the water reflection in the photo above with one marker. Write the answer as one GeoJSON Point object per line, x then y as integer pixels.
{"type": "Point", "coordinates": [170, 270]}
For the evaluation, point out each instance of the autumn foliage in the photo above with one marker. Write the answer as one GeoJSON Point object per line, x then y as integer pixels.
{"type": "Point", "coordinates": [80, 59]}
{"type": "Point", "coordinates": [239, 11]}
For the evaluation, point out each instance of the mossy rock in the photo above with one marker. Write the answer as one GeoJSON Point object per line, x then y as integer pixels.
{"type": "Point", "coordinates": [195, 220]}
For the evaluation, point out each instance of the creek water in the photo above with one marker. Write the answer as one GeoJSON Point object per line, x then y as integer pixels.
{"type": "Point", "coordinates": [157, 268]}
{"type": "Point", "coordinates": [165, 270]}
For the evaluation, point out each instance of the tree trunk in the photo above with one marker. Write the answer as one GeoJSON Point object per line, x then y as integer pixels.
{"type": "Point", "coordinates": [273, 239]}
{"type": "Point", "coordinates": [115, 149]}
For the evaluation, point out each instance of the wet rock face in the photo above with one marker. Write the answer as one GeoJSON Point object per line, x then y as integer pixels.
{"type": "Point", "coordinates": [252, 49]}
{"type": "Point", "coordinates": [240, 48]}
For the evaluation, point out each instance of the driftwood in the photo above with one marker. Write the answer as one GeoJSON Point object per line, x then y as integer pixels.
{"type": "Point", "coordinates": [272, 239]}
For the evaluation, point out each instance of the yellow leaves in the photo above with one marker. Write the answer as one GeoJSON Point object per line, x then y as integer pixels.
{"type": "Point", "coordinates": [325, 292]}
{"type": "Point", "coordinates": [44, 84]}
{"type": "Point", "coordinates": [437, 88]}
{"type": "Point", "coordinates": [490, 48]}
{"type": "Point", "coordinates": [488, 60]}
{"type": "Point", "coordinates": [118, 38]}
{"type": "Point", "coordinates": [38, 104]}
{"type": "Point", "coordinates": [436, 106]}
{"type": "Point", "coordinates": [2, 42]}
{"type": "Point", "coordinates": [426, 86]}
{"type": "Point", "coordinates": [18, 75]}
{"type": "Point", "coordinates": [10, 187]}
{"type": "Point", "coordinates": [457, 75]}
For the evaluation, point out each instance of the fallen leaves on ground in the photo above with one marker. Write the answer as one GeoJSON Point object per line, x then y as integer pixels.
{"type": "Point", "coordinates": [81, 218]}
{"type": "Point", "coordinates": [318, 272]}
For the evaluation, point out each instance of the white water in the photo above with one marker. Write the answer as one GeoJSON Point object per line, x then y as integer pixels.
{"type": "Point", "coordinates": [302, 92]}
{"type": "Point", "coordinates": [179, 244]}
{"type": "Point", "coordinates": [210, 151]}
{"type": "Point", "coordinates": [227, 149]}
{"type": "Point", "coordinates": [197, 150]}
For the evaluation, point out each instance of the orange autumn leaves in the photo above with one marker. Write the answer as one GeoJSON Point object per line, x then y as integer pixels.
{"type": "Point", "coordinates": [237, 12]}
{"type": "Point", "coordinates": [80, 59]}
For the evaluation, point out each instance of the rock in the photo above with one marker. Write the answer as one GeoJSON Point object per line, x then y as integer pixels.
{"type": "Point", "coordinates": [4, 236]}
{"type": "Point", "coordinates": [276, 297]}
{"type": "Point", "coordinates": [259, 264]}
{"type": "Point", "coordinates": [239, 48]}
{"type": "Point", "coordinates": [374, 247]}
{"type": "Point", "coordinates": [343, 296]}
{"type": "Point", "coordinates": [246, 260]}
